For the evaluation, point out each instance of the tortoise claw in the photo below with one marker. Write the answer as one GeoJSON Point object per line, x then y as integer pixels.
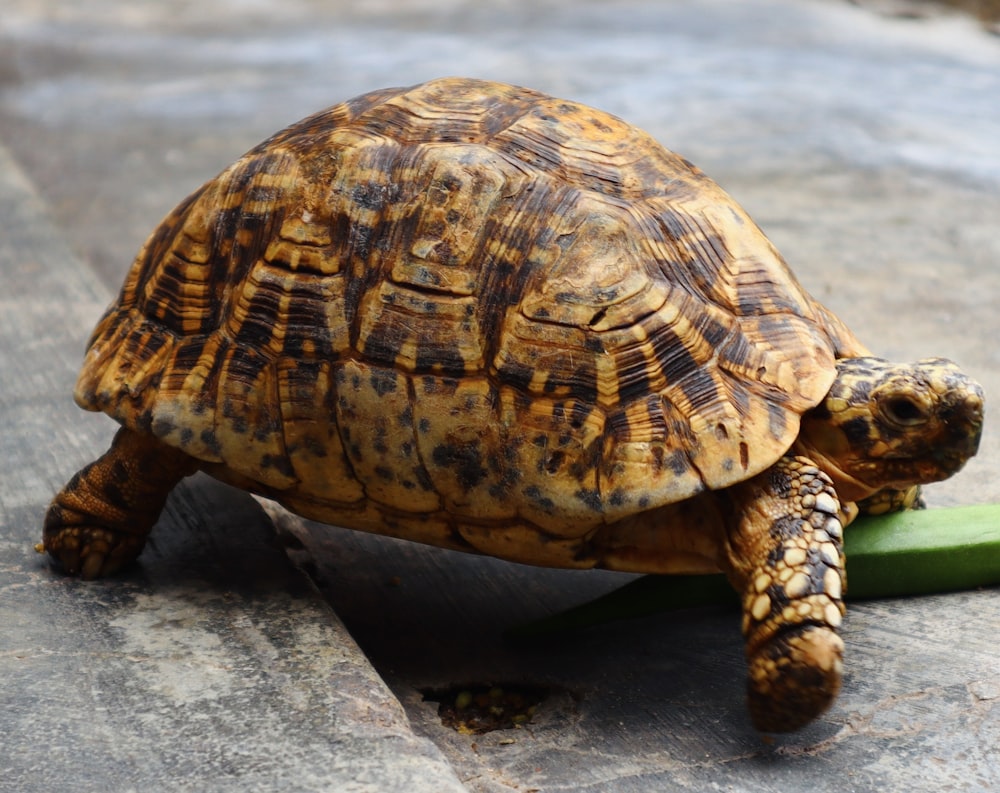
{"type": "Point", "coordinates": [91, 553]}
{"type": "Point", "coordinates": [87, 551]}
{"type": "Point", "coordinates": [93, 566]}
{"type": "Point", "coordinates": [794, 678]}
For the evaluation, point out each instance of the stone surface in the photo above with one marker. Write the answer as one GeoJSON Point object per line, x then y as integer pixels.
{"type": "Point", "coordinates": [864, 145]}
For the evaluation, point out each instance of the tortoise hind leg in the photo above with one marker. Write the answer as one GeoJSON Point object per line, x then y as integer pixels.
{"type": "Point", "coordinates": [786, 559]}
{"type": "Point", "coordinates": [100, 520]}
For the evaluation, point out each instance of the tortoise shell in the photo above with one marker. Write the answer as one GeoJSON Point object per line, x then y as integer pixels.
{"type": "Point", "coordinates": [469, 314]}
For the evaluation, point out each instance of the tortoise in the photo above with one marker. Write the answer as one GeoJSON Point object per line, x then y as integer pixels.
{"type": "Point", "coordinates": [476, 316]}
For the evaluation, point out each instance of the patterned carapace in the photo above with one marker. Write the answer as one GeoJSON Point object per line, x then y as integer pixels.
{"type": "Point", "coordinates": [512, 306]}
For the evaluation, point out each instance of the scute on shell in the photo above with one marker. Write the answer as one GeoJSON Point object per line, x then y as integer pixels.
{"type": "Point", "coordinates": [465, 299]}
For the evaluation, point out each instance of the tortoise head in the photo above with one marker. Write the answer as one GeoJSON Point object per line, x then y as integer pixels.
{"type": "Point", "coordinates": [885, 425]}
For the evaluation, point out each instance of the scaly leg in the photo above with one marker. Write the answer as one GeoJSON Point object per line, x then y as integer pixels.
{"type": "Point", "coordinates": [889, 500]}
{"type": "Point", "coordinates": [786, 559]}
{"type": "Point", "coordinates": [100, 520]}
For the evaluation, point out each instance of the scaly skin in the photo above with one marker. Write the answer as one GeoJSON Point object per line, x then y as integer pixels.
{"type": "Point", "coordinates": [786, 558]}
{"type": "Point", "coordinates": [100, 520]}
{"type": "Point", "coordinates": [888, 500]}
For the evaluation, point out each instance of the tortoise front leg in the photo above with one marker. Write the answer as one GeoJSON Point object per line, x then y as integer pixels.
{"type": "Point", "coordinates": [100, 520]}
{"type": "Point", "coordinates": [786, 558]}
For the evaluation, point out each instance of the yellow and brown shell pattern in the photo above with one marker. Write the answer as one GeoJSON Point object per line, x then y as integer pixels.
{"type": "Point", "coordinates": [469, 314]}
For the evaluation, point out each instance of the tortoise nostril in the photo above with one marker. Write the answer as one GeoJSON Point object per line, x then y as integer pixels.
{"type": "Point", "coordinates": [973, 408]}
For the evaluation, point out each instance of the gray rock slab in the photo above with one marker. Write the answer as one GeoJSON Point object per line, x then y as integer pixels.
{"type": "Point", "coordinates": [658, 703]}
{"type": "Point", "coordinates": [212, 665]}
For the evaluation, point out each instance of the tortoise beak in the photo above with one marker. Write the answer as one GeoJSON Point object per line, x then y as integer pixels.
{"type": "Point", "coordinates": [962, 419]}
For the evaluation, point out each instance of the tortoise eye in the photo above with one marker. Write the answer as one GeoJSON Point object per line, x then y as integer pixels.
{"type": "Point", "coordinates": [903, 410]}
